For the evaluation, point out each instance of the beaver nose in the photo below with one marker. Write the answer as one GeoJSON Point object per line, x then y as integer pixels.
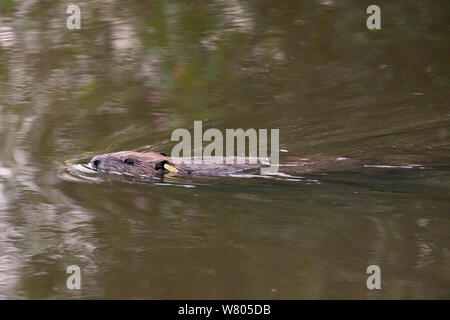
{"type": "Point", "coordinates": [95, 162]}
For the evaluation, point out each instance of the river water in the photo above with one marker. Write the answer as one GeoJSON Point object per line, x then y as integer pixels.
{"type": "Point", "coordinates": [137, 70]}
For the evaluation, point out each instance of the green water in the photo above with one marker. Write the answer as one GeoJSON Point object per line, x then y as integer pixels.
{"type": "Point", "coordinates": [137, 70]}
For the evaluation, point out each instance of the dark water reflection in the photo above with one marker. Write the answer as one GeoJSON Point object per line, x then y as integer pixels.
{"type": "Point", "coordinates": [139, 69]}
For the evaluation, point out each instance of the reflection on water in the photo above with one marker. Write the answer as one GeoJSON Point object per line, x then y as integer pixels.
{"type": "Point", "coordinates": [135, 72]}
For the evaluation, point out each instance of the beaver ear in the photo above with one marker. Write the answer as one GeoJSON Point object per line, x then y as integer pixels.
{"type": "Point", "coordinates": [160, 165]}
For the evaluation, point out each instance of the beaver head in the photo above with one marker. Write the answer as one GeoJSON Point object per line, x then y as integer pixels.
{"type": "Point", "coordinates": [130, 163]}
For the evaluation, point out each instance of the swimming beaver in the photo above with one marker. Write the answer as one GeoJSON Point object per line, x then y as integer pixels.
{"type": "Point", "coordinates": [151, 163]}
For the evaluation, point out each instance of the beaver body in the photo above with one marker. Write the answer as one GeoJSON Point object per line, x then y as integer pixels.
{"type": "Point", "coordinates": [151, 163]}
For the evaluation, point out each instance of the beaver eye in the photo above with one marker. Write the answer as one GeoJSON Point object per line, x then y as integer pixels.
{"type": "Point", "coordinates": [128, 161]}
